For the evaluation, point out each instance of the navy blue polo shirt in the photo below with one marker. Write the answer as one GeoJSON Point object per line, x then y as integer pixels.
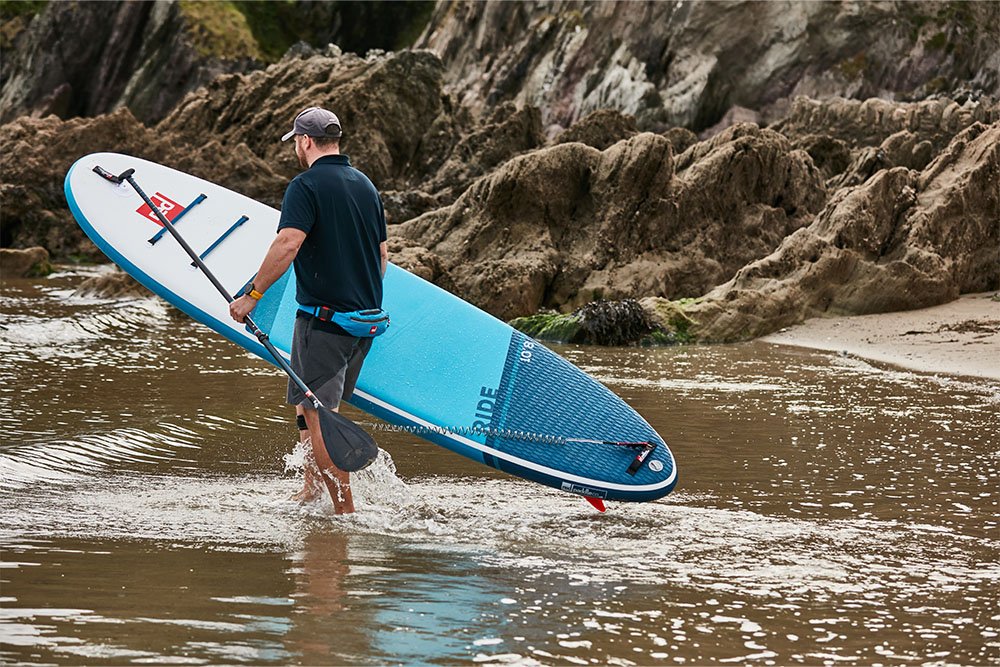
{"type": "Point", "coordinates": [339, 209]}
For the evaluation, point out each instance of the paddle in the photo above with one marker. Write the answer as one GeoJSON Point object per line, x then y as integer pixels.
{"type": "Point", "coordinates": [349, 446]}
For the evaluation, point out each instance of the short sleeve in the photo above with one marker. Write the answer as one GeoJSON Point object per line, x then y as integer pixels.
{"type": "Point", "coordinates": [382, 232]}
{"type": "Point", "coordinates": [298, 210]}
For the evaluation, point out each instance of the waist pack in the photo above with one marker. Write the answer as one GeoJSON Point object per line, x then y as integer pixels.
{"type": "Point", "coordinates": [358, 323]}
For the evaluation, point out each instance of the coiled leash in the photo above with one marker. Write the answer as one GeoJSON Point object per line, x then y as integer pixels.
{"type": "Point", "coordinates": [645, 447]}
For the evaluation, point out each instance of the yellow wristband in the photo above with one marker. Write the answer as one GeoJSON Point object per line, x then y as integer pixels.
{"type": "Point", "coordinates": [255, 295]}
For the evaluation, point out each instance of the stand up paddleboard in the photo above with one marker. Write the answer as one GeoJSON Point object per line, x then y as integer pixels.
{"type": "Point", "coordinates": [444, 370]}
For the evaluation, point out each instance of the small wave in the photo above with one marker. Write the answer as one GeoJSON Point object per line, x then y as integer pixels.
{"type": "Point", "coordinates": [46, 335]}
{"type": "Point", "coordinates": [708, 383]}
{"type": "Point", "coordinates": [69, 460]}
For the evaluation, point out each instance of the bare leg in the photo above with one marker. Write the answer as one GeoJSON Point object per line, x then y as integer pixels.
{"type": "Point", "coordinates": [312, 485]}
{"type": "Point", "coordinates": [338, 483]}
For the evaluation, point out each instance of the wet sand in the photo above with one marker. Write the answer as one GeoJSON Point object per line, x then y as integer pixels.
{"type": "Point", "coordinates": [957, 338]}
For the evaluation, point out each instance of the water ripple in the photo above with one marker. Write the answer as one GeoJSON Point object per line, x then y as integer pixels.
{"type": "Point", "coordinates": [68, 460]}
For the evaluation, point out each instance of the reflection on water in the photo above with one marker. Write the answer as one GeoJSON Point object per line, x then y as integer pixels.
{"type": "Point", "coordinates": [828, 511]}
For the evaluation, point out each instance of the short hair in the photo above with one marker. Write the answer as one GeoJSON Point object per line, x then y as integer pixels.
{"type": "Point", "coordinates": [326, 142]}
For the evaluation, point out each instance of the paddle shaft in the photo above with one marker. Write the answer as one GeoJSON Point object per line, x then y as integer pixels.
{"type": "Point", "coordinates": [127, 175]}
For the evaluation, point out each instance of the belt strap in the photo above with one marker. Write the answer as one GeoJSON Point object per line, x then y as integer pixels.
{"type": "Point", "coordinates": [322, 313]}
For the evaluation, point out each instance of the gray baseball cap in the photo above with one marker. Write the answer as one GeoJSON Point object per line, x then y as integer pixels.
{"type": "Point", "coordinates": [315, 122]}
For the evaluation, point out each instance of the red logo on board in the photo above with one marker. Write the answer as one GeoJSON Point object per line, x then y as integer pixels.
{"type": "Point", "coordinates": [168, 207]}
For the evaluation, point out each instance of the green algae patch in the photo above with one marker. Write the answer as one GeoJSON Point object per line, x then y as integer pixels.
{"type": "Point", "coordinates": [219, 29]}
{"type": "Point", "coordinates": [855, 68]}
{"type": "Point", "coordinates": [40, 270]}
{"type": "Point", "coordinates": [275, 24]}
{"type": "Point", "coordinates": [673, 323]}
{"type": "Point", "coordinates": [418, 15]}
{"type": "Point", "coordinates": [15, 15]}
{"type": "Point", "coordinates": [549, 327]}
{"type": "Point", "coordinates": [27, 8]}
{"type": "Point", "coordinates": [652, 321]}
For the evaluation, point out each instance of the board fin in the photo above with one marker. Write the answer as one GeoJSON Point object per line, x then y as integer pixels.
{"type": "Point", "coordinates": [596, 502]}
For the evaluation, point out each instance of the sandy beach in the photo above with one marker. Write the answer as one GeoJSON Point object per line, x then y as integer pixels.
{"type": "Point", "coordinates": [957, 338]}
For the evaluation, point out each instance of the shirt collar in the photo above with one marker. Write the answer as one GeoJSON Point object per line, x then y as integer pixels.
{"type": "Point", "coordinates": [333, 159]}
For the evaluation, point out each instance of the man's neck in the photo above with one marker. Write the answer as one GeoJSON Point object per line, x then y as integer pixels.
{"type": "Point", "coordinates": [316, 156]}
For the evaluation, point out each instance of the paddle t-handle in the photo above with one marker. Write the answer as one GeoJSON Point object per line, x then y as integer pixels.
{"type": "Point", "coordinates": [108, 176]}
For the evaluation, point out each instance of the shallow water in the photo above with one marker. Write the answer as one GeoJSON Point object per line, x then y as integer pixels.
{"type": "Point", "coordinates": [828, 511]}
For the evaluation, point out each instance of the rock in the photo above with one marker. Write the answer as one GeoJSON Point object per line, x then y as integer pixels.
{"type": "Point", "coordinates": [401, 206]}
{"type": "Point", "coordinates": [37, 155]}
{"type": "Point", "coordinates": [599, 129]}
{"type": "Point", "coordinates": [385, 106]}
{"type": "Point", "coordinates": [613, 322]}
{"type": "Point", "coordinates": [356, 27]}
{"type": "Point", "coordinates": [680, 139]}
{"type": "Point", "coordinates": [597, 323]}
{"type": "Point", "coordinates": [902, 149]}
{"type": "Point", "coordinates": [507, 288]}
{"type": "Point", "coordinates": [852, 140]}
{"type": "Point", "coordinates": [113, 285]}
{"type": "Point", "coordinates": [419, 261]}
{"type": "Point", "coordinates": [39, 152]}
{"type": "Point", "coordinates": [900, 241]}
{"type": "Point", "coordinates": [868, 162]}
{"type": "Point", "coordinates": [509, 131]}
{"type": "Point", "coordinates": [408, 136]}
{"type": "Point", "coordinates": [734, 116]}
{"type": "Point", "coordinates": [906, 149]}
{"type": "Point", "coordinates": [26, 263]}
{"type": "Point", "coordinates": [830, 155]}
{"type": "Point", "coordinates": [413, 143]}
{"type": "Point", "coordinates": [872, 121]}
{"type": "Point", "coordinates": [840, 205]}
{"type": "Point", "coordinates": [568, 224]}
{"type": "Point", "coordinates": [88, 58]}
{"type": "Point", "coordinates": [685, 64]}
{"type": "Point", "coordinates": [669, 319]}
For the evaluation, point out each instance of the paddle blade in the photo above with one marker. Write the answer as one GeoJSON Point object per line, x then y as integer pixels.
{"type": "Point", "coordinates": [350, 448]}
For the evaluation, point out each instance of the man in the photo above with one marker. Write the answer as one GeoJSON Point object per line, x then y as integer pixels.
{"type": "Point", "coordinates": [333, 226]}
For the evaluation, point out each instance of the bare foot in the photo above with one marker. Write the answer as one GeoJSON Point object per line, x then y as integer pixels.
{"type": "Point", "coordinates": [312, 486]}
{"type": "Point", "coordinates": [338, 483]}
{"type": "Point", "coordinates": [306, 495]}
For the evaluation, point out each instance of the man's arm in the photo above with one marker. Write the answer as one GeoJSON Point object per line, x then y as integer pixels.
{"type": "Point", "coordinates": [279, 257]}
{"type": "Point", "coordinates": [383, 249]}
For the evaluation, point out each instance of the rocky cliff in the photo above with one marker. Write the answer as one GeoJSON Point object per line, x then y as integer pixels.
{"type": "Point", "coordinates": [688, 63]}
{"type": "Point", "coordinates": [569, 224]}
{"type": "Point", "coordinates": [88, 57]}
{"type": "Point", "coordinates": [403, 131]}
{"type": "Point", "coordinates": [902, 240]}
{"type": "Point", "coordinates": [524, 199]}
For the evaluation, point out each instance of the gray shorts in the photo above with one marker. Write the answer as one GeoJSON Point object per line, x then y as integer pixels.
{"type": "Point", "coordinates": [328, 363]}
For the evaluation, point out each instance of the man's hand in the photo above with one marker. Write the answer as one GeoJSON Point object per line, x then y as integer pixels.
{"type": "Point", "coordinates": [241, 307]}
{"type": "Point", "coordinates": [277, 260]}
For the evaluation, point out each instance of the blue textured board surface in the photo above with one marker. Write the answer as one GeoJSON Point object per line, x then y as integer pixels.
{"type": "Point", "coordinates": [485, 390]}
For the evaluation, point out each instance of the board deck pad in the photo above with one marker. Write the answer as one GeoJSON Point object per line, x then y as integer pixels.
{"type": "Point", "coordinates": [444, 369]}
